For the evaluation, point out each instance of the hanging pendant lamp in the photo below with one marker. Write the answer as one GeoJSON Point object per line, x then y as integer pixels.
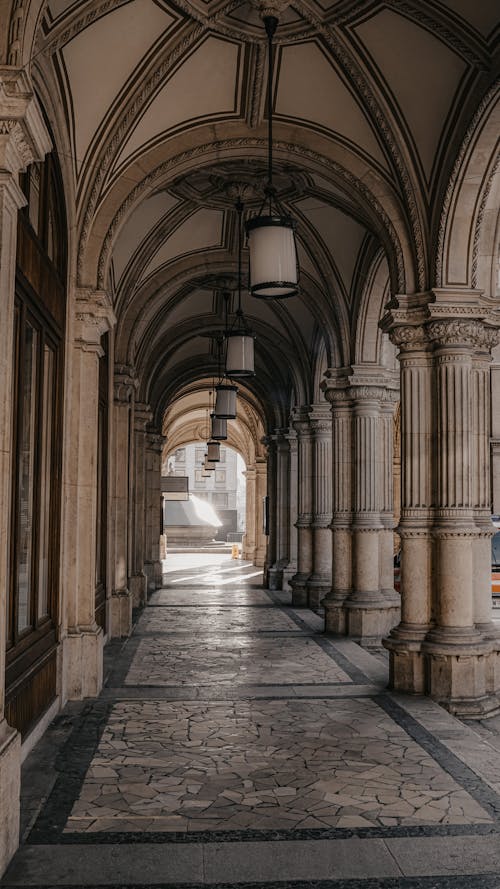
{"type": "Point", "coordinates": [219, 428]}
{"type": "Point", "coordinates": [225, 401]}
{"type": "Point", "coordinates": [213, 451]}
{"type": "Point", "coordinates": [208, 465]}
{"type": "Point", "coordinates": [271, 235]}
{"type": "Point", "coordinates": [239, 338]}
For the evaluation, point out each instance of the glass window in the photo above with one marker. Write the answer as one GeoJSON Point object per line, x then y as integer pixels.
{"type": "Point", "coordinates": [220, 476]}
{"type": "Point", "coordinates": [26, 467]}
{"type": "Point", "coordinates": [46, 478]}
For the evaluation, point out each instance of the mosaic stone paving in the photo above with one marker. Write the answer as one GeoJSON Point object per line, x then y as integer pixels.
{"type": "Point", "coordinates": [234, 745]}
{"type": "Point", "coordinates": [198, 597]}
{"type": "Point", "coordinates": [215, 619]}
{"type": "Point", "coordinates": [192, 766]}
{"type": "Point", "coordinates": [179, 661]}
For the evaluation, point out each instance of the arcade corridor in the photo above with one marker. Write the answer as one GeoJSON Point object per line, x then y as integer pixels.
{"type": "Point", "coordinates": [234, 744]}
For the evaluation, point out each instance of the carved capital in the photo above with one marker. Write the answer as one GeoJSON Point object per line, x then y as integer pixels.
{"type": "Point", "coordinates": [94, 316]}
{"type": "Point", "coordinates": [24, 138]}
{"type": "Point", "coordinates": [142, 416]}
{"type": "Point", "coordinates": [155, 442]}
{"type": "Point", "coordinates": [456, 332]}
{"type": "Point", "coordinates": [410, 338]}
{"type": "Point", "coordinates": [125, 383]}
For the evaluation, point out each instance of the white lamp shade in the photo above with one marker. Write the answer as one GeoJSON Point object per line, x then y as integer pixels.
{"type": "Point", "coordinates": [273, 257]}
{"type": "Point", "coordinates": [213, 451]}
{"type": "Point", "coordinates": [240, 359]}
{"type": "Point", "coordinates": [205, 473]}
{"type": "Point", "coordinates": [225, 401]}
{"type": "Point", "coordinates": [219, 428]}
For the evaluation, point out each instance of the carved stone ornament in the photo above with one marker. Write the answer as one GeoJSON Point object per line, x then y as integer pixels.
{"type": "Point", "coordinates": [274, 8]}
{"type": "Point", "coordinates": [456, 333]}
{"type": "Point", "coordinates": [125, 383]}
{"type": "Point", "coordinates": [410, 337]}
{"type": "Point", "coordinates": [94, 316]}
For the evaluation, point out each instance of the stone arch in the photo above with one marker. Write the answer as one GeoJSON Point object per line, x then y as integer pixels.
{"type": "Point", "coordinates": [468, 234]}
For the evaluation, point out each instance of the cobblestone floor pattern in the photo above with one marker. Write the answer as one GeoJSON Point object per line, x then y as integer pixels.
{"type": "Point", "coordinates": [345, 787]}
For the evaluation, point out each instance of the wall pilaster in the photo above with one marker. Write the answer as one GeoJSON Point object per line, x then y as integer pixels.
{"type": "Point", "coordinates": [138, 577]}
{"type": "Point", "coordinates": [260, 493]}
{"type": "Point", "coordinates": [248, 543]}
{"type": "Point", "coordinates": [152, 565]}
{"type": "Point", "coordinates": [300, 421]}
{"type": "Point", "coordinates": [125, 384]}
{"type": "Point", "coordinates": [290, 527]}
{"type": "Point", "coordinates": [83, 642]}
{"type": "Point", "coordinates": [319, 582]}
{"type": "Point", "coordinates": [23, 139]}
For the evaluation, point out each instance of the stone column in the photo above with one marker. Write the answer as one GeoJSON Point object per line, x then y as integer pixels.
{"type": "Point", "coordinates": [370, 613]}
{"type": "Point", "coordinates": [405, 641]}
{"type": "Point", "coordinates": [445, 644]}
{"type": "Point", "coordinates": [457, 650]}
{"type": "Point", "coordinates": [271, 578]}
{"type": "Point", "coordinates": [304, 520]}
{"type": "Point", "coordinates": [481, 479]}
{"type": "Point", "coordinates": [138, 578]}
{"type": "Point", "coordinates": [260, 493]}
{"type": "Point", "coordinates": [121, 598]}
{"type": "Point", "coordinates": [248, 543]}
{"type": "Point", "coordinates": [83, 644]}
{"type": "Point", "coordinates": [341, 588]}
{"type": "Point", "coordinates": [23, 139]}
{"type": "Point", "coordinates": [281, 510]}
{"type": "Point", "coordinates": [319, 583]}
{"type": "Point", "coordinates": [152, 565]}
{"type": "Point", "coordinates": [292, 499]}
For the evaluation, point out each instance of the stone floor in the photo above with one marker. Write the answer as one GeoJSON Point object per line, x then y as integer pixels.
{"type": "Point", "coordinates": [235, 745]}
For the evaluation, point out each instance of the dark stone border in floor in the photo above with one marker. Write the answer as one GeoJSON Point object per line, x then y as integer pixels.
{"type": "Point", "coordinates": [79, 838]}
{"type": "Point", "coordinates": [476, 881]}
{"type": "Point", "coordinates": [459, 771]}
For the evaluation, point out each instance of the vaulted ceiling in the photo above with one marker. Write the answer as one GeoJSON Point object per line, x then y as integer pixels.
{"type": "Point", "coordinates": [158, 107]}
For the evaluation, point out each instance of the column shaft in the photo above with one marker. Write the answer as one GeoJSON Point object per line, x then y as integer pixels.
{"type": "Point", "coordinates": [319, 583]}
{"type": "Point", "coordinates": [304, 520]}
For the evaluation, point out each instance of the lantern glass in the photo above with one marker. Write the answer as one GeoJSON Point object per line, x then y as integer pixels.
{"type": "Point", "coordinates": [208, 465]}
{"type": "Point", "coordinates": [240, 355]}
{"type": "Point", "coordinates": [273, 257]}
{"type": "Point", "coordinates": [213, 451]}
{"type": "Point", "coordinates": [219, 428]}
{"type": "Point", "coordinates": [225, 401]}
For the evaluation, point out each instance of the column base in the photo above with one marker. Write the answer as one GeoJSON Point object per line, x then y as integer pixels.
{"type": "Point", "coordinates": [275, 579]}
{"type": "Point", "coordinates": [288, 573]}
{"type": "Point", "coordinates": [298, 584]}
{"type": "Point", "coordinates": [407, 663]}
{"type": "Point", "coordinates": [318, 587]}
{"type": "Point", "coordinates": [259, 558]}
{"type": "Point", "coordinates": [158, 575]}
{"type": "Point", "coordinates": [10, 791]}
{"type": "Point", "coordinates": [149, 572]}
{"type": "Point", "coordinates": [368, 621]}
{"type": "Point", "coordinates": [83, 663]}
{"type": "Point", "coordinates": [137, 584]}
{"type": "Point", "coordinates": [335, 616]}
{"type": "Point", "coordinates": [120, 614]}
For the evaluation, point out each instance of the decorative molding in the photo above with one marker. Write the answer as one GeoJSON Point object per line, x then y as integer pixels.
{"type": "Point", "coordinates": [151, 181]}
{"type": "Point", "coordinates": [479, 219]}
{"type": "Point", "coordinates": [470, 134]}
{"type": "Point", "coordinates": [94, 316]}
{"type": "Point", "coordinates": [455, 333]}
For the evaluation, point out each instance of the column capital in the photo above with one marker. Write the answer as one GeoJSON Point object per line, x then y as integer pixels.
{"type": "Point", "coordinates": [24, 137]}
{"type": "Point", "coordinates": [94, 316]}
{"type": "Point", "coordinates": [142, 416]}
{"type": "Point", "coordinates": [320, 419]}
{"type": "Point", "coordinates": [155, 442]}
{"type": "Point", "coordinates": [125, 383]}
{"type": "Point", "coordinates": [300, 420]}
